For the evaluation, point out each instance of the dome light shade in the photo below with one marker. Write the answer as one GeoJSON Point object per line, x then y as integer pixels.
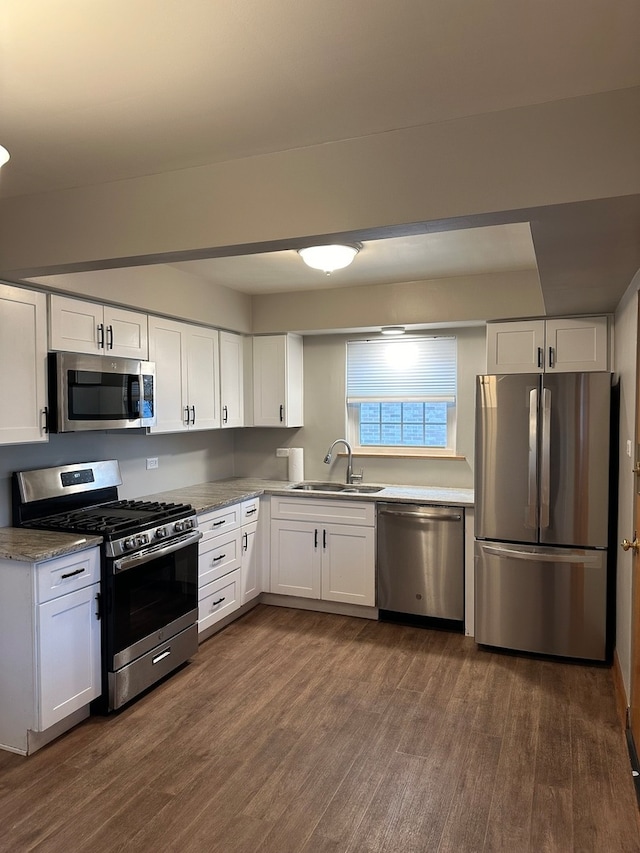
{"type": "Point", "coordinates": [393, 330]}
{"type": "Point", "coordinates": [328, 258]}
{"type": "Point", "coordinates": [4, 155]}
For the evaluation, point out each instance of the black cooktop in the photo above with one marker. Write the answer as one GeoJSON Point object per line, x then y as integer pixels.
{"type": "Point", "coordinates": [116, 518]}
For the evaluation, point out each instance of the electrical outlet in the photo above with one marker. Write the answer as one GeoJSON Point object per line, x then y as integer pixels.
{"type": "Point", "coordinates": [629, 448]}
{"type": "Point", "coordinates": [282, 451]}
{"type": "Point", "coordinates": [152, 462]}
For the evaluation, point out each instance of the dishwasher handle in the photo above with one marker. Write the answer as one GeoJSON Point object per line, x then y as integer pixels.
{"type": "Point", "coordinates": [428, 516]}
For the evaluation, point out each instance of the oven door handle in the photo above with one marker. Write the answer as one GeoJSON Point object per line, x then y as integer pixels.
{"type": "Point", "coordinates": [149, 554]}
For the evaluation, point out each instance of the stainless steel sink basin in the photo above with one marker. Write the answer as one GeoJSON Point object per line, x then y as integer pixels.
{"type": "Point", "coordinates": [337, 487]}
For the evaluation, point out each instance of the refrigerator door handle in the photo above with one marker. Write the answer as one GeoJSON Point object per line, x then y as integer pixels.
{"type": "Point", "coordinates": [534, 556]}
{"type": "Point", "coordinates": [545, 461]}
{"type": "Point", "coordinates": [532, 505]}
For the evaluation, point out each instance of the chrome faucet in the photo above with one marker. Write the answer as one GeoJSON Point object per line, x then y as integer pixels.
{"type": "Point", "coordinates": [351, 477]}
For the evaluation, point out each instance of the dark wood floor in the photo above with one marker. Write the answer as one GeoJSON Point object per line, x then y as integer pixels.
{"type": "Point", "coordinates": [297, 731]}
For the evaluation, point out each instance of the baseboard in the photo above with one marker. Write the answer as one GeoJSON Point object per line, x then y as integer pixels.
{"type": "Point", "coordinates": [622, 702]}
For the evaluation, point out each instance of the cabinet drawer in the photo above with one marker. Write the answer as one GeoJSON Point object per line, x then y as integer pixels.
{"type": "Point", "coordinates": [218, 599]}
{"type": "Point", "coordinates": [218, 556]}
{"type": "Point", "coordinates": [250, 510]}
{"type": "Point", "coordinates": [66, 574]}
{"type": "Point", "coordinates": [324, 511]}
{"type": "Point", "coordinates": [218, 521]}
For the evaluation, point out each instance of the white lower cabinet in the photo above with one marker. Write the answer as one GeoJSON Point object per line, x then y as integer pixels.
{"type": "Point", "coordinates": [50, 634]}
{"type": "Point", "coordinates": [229, 567]}
{"type": "Point", "coordinates": [330, 556]}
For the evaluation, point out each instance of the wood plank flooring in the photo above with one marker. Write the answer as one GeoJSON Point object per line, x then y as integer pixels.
{"type": "Point", "coordinates": [300, 732]}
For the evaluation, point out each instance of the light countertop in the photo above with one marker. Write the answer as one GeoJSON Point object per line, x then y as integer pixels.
{"type": "Point", "coordinates": [221, 493]}
{"type": "Point", "coordinates": [34, 546]}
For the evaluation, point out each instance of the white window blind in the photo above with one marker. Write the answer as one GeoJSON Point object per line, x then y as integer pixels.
{"type": "Point", "coordinates": [407, 369]}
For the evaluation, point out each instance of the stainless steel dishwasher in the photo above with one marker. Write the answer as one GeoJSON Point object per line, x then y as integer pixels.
{"type": "Point", "coordinates": [421, 560]}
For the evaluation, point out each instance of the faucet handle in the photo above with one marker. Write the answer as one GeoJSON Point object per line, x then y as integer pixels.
{"type": "Point", "coordinates": [358, 478]}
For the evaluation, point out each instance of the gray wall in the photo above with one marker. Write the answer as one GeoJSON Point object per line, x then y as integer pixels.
{"type": "Point", "coordinates": [183, 459]}
{"type": "Point", "coordinates": [324, 419]}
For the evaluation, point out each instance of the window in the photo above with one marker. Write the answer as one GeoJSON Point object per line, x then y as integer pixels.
{"type": "Point", "coordinates": [402, 394]}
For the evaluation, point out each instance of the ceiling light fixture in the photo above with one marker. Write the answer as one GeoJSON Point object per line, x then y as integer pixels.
{"type": "Point", "coordinates": [329, 258]}
{"type": "Point", "coordinates": [4, 155]}
{"type": "Point", "coordinates": [393, 330]}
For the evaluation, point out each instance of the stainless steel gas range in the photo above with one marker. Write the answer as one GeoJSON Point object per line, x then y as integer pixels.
{"type": "Point", "coordinates": [149, 577]}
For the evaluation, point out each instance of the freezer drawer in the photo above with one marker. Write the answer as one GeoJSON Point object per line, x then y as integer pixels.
{"type": "Point", "coordinates": [540, 599]}
{"type": "Point", "coordinates": [421, 560]}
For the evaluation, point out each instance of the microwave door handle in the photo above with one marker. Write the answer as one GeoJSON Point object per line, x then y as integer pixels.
{"type": "Point", "coordinates": [134, 407]}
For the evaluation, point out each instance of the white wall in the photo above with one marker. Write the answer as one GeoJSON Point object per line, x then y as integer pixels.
{"type": "Point", "coordinates": [626, 334]}
{"type": "Point", "coordinates": [183, 459]}
{"type": "Point", "coordinates": [324, 421]}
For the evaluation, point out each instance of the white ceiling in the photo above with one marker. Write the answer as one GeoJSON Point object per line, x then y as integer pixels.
{"type": "Point", "coordinates": [94, 92]}
{"type": "Point", "coordinates": [473, 251]}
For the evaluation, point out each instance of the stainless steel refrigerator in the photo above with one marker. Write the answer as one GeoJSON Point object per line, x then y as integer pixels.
{"type": "Point", "coordinates": [542, 512]}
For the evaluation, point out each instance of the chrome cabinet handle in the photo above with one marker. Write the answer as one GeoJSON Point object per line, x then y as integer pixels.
{"type": "Point", "coordinates": [251, 511]}
{"type": "Point", "coordinates": [109, 337]}
{"type": "Point", "coordinates": [540, 358]}
{"type": "Point", "coordinates": [218, 601]}
{"type": "Point", "coordinates": [44, 419]}
{"type": "Point", "coordinates": [552, 362]}
{"type": "Point", "coordinates": [281, 413]}
{"type": "Point", "coordinates": [193, 410]}
{"type": "Point", "coordinates": [245, 544]}
{"type": "Point", "coordinates": [217, 559]}
{"type": "Point", "coordinates": [225, 414]}
{"type": "Point", "coordinates": [100, 335]}
{"type": "Point", "coordinates": [186, 415]}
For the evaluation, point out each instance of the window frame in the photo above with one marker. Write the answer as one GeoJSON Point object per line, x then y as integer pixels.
{"type": "Point", "coordinates": [352, 412]}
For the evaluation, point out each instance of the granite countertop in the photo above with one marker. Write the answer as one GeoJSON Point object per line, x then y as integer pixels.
{"type": "Point", "coordinates": [34, 546]}
{"type": "Point", "coordinates": [221, 493]}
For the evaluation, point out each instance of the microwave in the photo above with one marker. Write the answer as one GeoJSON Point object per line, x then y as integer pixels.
{"type": "Point", "coordinates": [95, 392]}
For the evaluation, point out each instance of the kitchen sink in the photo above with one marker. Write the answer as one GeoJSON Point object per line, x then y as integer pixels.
{"type": "Point", "coordinates": [337, 487]}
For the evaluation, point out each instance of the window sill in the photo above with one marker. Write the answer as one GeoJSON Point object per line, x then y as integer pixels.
{"type": "Point", "coordinates": [403, 453]}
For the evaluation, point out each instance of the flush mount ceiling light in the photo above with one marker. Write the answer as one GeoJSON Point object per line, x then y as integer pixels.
{"type": "Point", "coordinates": [4, 155]}
{"type": "Point", "coordinates": [329, 258]}
{"type": "Point", "coordinates": [393, 330]}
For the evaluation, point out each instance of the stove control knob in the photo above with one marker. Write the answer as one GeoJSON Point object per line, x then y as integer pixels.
{"type": "Point", "coordinates": [161, 532]}
{"type": "Point", "coordinates": [179, 526]}
{"type": "Point", "coordinates": [128, 544]}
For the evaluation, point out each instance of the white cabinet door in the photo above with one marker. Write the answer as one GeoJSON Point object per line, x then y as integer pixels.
{"type": "Point", "coordinates": [574, 345]}
{"type": "Point", "coordinates": [75, 325]}
{"type": "Point", "coordinates": [89, 327]}
{"type": "Point", "coordinates": [68, 655]}
{"type": "Point", "coordinates": [515, 347]}
{"type": "Point", "coordinates": [563, 345]}
{"type": "Point", "coordinates": [231, 379]}
{"type": "Point", "coordinates": [295, 558]}
{"type": "Point", "coordinates": [23, 354]}
{"type": "Point", "coordinates": [168, 349]}
{"type": "Point", "coordinates": [348, 564]}
{"type": "Point", "coordinates": [251, 570]}
{"type": "Point", "coordinates": [277, 381]}
{"type": "Point", "coordinates": [203, 388]}
{"type": "Point", "coordinates": [126, 333]}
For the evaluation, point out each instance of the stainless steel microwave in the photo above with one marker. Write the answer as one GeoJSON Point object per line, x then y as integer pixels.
{"type": "Point", "coordinates": [94, 392]}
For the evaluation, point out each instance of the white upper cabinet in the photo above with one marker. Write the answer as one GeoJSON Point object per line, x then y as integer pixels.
{"type": "Point", "coordinates": [277, 381]}
{"type": "Point", "coordinates": [23, 365]}
{"type": "Point", "coordinates": [88, 327]}
{"type": "Point", "coordinates": [187, 375]}
{"type": "Point", "coordinates": [231, 380]}
{"type": "Point", "coordinates": [565, 345]}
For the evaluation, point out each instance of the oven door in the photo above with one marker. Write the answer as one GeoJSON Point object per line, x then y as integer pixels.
{"type": "Point", "coordinates": [150, 596]}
